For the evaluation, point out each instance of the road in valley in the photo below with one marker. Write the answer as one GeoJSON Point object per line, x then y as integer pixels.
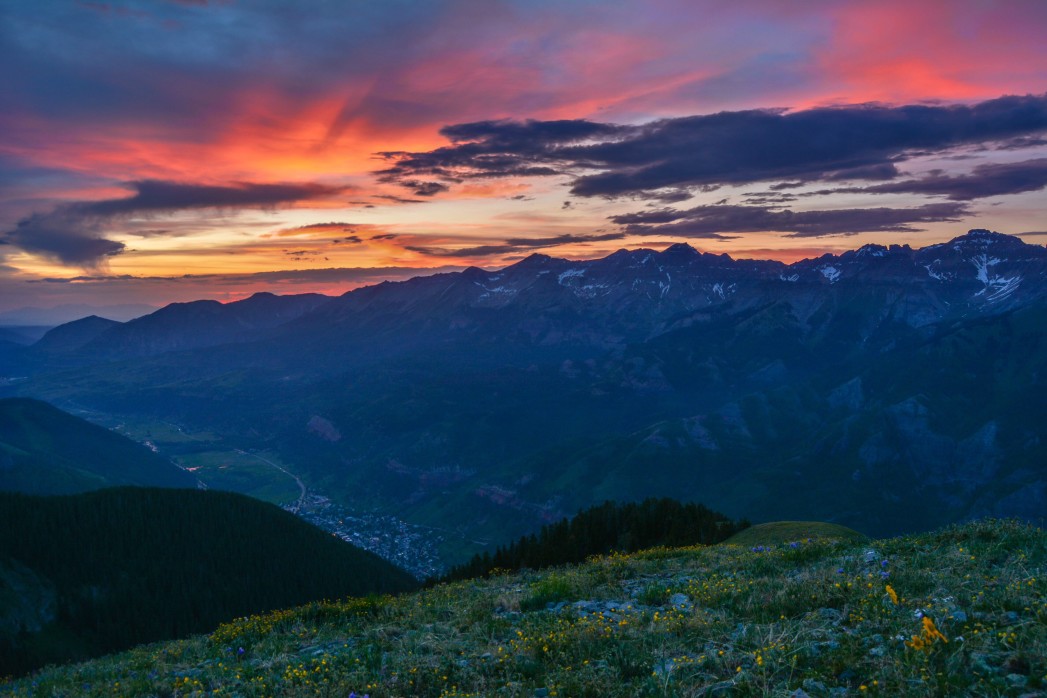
{"type": "Point", "coordinates": [301, 485]}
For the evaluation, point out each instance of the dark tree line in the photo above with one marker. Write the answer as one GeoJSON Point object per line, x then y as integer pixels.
{"type": "Point", "coordinates": [604, 528]}
{"type": "Point", "coordinates": [134, 565]}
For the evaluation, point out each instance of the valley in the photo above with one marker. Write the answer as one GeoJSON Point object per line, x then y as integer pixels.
{"type": "Point", "coordinates": [220, 466]}
{"type": "Point", "coordinates": [896, 394]}
{"type": "Point", "coordinates": [523, 349]}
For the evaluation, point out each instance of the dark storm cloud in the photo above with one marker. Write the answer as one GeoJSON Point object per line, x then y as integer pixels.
{"type": "Point", "coordinates": [990, 179]}
{"type": "Point", "coordinates": [714, 221]}
{"type": "Point", "coordinates": [513, 245]}
{"type": "Point", "coordinates": [64, 236]}
{"type": "Point", "coordinates": [859, 142]}
{"type": "Point", "coordinates": [74, 233]}
{"type": "Point", "coordinates": [155, 195]}
{"type": "Point", "coordinates": [499, 149]}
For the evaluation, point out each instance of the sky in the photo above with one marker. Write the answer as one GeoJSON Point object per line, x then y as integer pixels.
{"type": "Point", "coordinates": [171, 150]}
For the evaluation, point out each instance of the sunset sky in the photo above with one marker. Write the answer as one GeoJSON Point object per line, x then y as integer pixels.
{"type": "Point", "coordinates": [163, 151]}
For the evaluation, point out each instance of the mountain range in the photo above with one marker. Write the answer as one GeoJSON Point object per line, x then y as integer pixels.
{"type": "Point", "coordinates": [889, 389]}
{"type": "Point", "coordinates": [49, 317]}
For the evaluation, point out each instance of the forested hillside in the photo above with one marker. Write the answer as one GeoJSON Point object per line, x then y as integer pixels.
{"type": "Point", "coordinates": [44, 450]}
{"type": "Point", "coordinates": [608, 527]}
{"type": "Point", "coordinates": [103, 571]}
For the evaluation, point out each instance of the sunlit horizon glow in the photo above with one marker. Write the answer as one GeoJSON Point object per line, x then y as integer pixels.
{"type": "Point", "coordinates": [165, 151]}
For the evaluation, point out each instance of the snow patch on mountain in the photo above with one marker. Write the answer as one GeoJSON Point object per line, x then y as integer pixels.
{"type": "Point", "coordinates": [501, 292]}
{"type": "Point", "coordinates": [830, 272]}
{"type": "Point", "coordinates": [569, 274]}
{"type": "Point", "coordinates": [665, 285]}
{"type": "Point", "coordinates": [982, 262]}
{"type": "Point", "coordinates": [1002, 288]}
{"type": "Point", "coordinates": [871, 251]}
{"type": "Point", "coordinates": [997, 288]}
{"type": "Point", "coordinates": [723, 290]}
{"type": "Point", "coordinates": [591, 290]}
{"type": "Point", "coordinates": [937, 275]}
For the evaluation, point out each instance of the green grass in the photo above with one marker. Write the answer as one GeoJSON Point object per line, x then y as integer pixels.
{"type": "Point", "coordinates": [163, 434]}
{"type": "Point", "coordinates": [720, 620]}
{"type": "Point", "coordinates": [789, 531]}
{"type": "Point", "coordinates": [242, 472]}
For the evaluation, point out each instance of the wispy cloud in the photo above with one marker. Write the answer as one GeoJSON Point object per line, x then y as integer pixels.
{"type": "Point", "coordinates": [75, 233]}
{"type": "Point", "coordinates": [989, 179]}
{"type": "Point", "coordinates": [715, 221]}
{"type": "Point", "coordinates": [512, 245]}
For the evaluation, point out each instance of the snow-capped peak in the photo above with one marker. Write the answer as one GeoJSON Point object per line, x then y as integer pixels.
{"type": "Point", "coordinates": [830, 272]}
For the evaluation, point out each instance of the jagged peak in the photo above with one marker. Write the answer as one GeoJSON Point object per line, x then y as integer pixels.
{"type": "Point", "coordinates": [871, 250]}
{"type": "Point", "coordinates": [474, 273]}
{"type": "Point", "coordinates": [535, 259]}
{"type": "Point", "coordinates": [679, 249]}
{"type": "Point", "coordinates": [982, 237]}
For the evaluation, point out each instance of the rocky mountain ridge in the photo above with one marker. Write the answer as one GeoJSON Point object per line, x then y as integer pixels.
{"type": "Point", "coordinates": [888, 388]}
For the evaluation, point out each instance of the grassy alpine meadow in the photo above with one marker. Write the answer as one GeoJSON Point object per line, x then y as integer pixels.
{"type": "Point", "coordinates": [961, 611]}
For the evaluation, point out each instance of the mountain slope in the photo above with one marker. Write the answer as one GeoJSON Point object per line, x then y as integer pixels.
{"type": "Point", "coordinates": [44, 450]}
{"type": "Point", "coordinates": [492, 402]}
{"type": "Point", "coordinates": [181, 326]}
{"type": "Point", "coordinates": [74, 335]}
{"type": "Point", "coordinates": [102, 571]}
{"type": "Point", "coordinates": [602, 529]}
{"type": "Point", "coordinates": [956, 612]}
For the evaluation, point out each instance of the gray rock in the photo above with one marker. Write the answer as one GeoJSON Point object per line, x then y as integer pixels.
{"type": "Point", "coordinates": [849, 395]}
{"type": "Point", "coordinates": [1017, 680]}
{"type": "Point", "coordinates": [816, 687]}
{"type": "Point", "coordinates": [979, 663]}
{"type": "Point", "coordinates": [831, 615]}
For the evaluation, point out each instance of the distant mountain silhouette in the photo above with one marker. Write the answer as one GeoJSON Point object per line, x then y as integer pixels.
{"type": "Point", "coordinates": [72, 336]}
{"type": "Point", "coordinates": [884, 388]}
{"type": "Point", "coordinates": [198, 324]}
